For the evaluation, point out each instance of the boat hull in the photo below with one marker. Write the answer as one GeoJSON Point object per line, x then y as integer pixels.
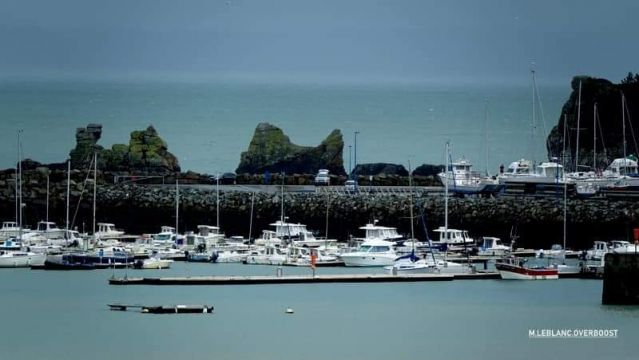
{"type": "Point", "coordinates": [364, 260]}
{"type": "Point", "coordinates": [510, 272]}
{"type": "Point", "coordinates": [22, 261]}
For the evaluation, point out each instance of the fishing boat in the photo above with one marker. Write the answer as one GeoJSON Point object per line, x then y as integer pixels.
{"type": "Point", "coordinates": [462, 180]}
{"type": "Point", "coordinates": [492, 246]}
{"type": "Point", "coordinates": [512, 268]}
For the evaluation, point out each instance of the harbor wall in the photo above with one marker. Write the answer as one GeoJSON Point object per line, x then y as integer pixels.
{"type": "Point", "coordinates": [620, 285]}
{"type": "Point", "coordinates": [537, 222]}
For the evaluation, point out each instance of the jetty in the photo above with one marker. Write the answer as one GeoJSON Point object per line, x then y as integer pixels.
{"type": "Point", "coordinates": [159, 309]}
{"type": "Point", "coordinates": [298, 279]}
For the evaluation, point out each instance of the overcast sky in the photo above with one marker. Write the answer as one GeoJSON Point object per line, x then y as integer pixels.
{"type": "Point", "coordinates": [298, 40]}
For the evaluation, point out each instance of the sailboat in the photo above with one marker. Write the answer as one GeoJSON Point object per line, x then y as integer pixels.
{"type": "Point", "coordinates": [19, 258]}
{"type": "Point", "coordinates": [411, 264]}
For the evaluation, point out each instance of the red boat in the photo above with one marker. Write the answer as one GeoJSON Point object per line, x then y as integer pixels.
{"type": "Point", "coordinates": [512, 268]}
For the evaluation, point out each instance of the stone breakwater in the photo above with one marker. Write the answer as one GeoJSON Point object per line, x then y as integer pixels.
{"type": "Point", "coordinates": [143, 209]}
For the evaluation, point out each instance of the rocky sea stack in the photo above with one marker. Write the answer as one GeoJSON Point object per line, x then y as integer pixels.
{"type": "Point", "coordinates": [146, 153]}
{"type": "Point", "coordinates": [608, 100]}
{"type": "Point", "coordinates": [271, 150]}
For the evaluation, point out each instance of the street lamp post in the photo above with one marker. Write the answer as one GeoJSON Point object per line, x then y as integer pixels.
{"type": "Point", "coordinates": [355, 149]}
{"type": "Point", "coordinates": [350, 159]}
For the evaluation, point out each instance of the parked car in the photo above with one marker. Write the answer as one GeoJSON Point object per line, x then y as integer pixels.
{"type": "Point", "coordinates": [350, 185]}
{"type": "Point", "coordinates": [322, 177]}
{"type": "Point", "coordinates": [225, 179]}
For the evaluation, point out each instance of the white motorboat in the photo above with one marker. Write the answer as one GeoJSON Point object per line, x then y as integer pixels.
{"type": "Point", "coordinates": [460, 179]}
{"type": "Point", "coordinates": [231, 256]}
{"type": "Point", "coordinates": [428, 265]}
{"type": "Point", "coordinates": [267, 255]}
{"type": "Point", "coordinates": [598, 251]}
{"type": "Point", "coordinates": [108, 231]}
{"type": "Point", "coordinates": [624, 247]}
{"type": "Point", "coordinates": [371, 253]}
{"type": "Point", "coordinates": [20, 259]}
{"type": "Point", "coordinates": [492, 246]}
{"type": "Point", "coordinates": [49, 230]}
{"type": "Point", "coordinates": [303, 256]}
{"type": "Point", "coordinates": [374, 232]}
{"type": "Point", "coordinates": [268, 238]}
{"type": "Point", "coordinates": [153, 263]}
{"type": "Point", "coordinates": [520, 172]}
{"type": "Point", "coordinates": [166, 237]}
{"type": "Point", "coordinates": [11, 229]}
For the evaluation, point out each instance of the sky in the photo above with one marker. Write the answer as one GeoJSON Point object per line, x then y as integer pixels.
{"type": "Point", "coordinates": [356, 41]}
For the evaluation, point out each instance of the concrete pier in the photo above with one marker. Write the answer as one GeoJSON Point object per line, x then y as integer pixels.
{"type": "Point", "coordinates": [621, 279]}
{"type": "Point", "coordinates": [298, 279]}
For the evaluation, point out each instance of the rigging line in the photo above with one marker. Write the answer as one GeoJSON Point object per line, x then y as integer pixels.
{"type": "Point", "coordinates": [84, 185]}
{"type": "Point", "coordinates": [603, 144]}
{"type": "Point", "coordinates": [632, 131]}
{"type": "Point", "coordinates": [541, 107]}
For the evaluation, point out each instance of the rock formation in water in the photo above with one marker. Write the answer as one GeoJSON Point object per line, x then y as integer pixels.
{"type": "Point", "coordinates": [271, 150]}
{"type": "Point", "coordinates": [146, 153]}
{"type": "Point", "coordinates": [608, 99]}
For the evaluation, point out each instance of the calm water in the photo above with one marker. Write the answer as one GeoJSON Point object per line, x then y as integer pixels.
{"type": "Point", "coordinates": [207, 126]}
{"type": "Point", "coordinates": [63, 315]}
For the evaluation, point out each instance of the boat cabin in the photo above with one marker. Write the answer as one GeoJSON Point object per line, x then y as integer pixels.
{"type": "Point", "coordinates": [46, 226]}
{"type": "Point", "coordinates": [551, 170]}
{"type": "Point", "coordinates": [207, 230]}
{"type": "Point", "coordinates": [288, 230]}
{"type": "Point", "coordinates": [375, 247]}
{"type": "Point", "coordinates": [9, 225]}
{"type": "Point", "coordinates": [453, 236]}
{"type": "Point", "coordinates": [621, 166]}
{"type": "Point", "coordinates": [373, 231]}
{"type": "Point", "coordinates": [519, 168]}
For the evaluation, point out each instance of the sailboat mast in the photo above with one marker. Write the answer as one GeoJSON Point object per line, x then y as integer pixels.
{"type": "Point", "coordinates": [446, 191]}
{"type": "Point", "coordinates": [282, 202]}
{"type": "Point", "coordinates": [410, 185]}
{"type": "Point", "coordinates": [623, 126]}
{"type": "Point", "coordinates": [46, 229]}
{"type": "Point", "coordinates": [251, 220]}
{"type": "Point", "coordinates": [217, 200]}
{"type": "Point", "coordinates": [565, 188]}
{"type": "Point", "coordinates": [532, 135]}
{"type": "Point", "coordinates": [328, 205]}
{"type": "Point", "coordinates": [177, 206]}
{"type": "Point", "coordinates": [594, 139]}
{"type": "Point", "coordinates": [578, 129]}
{"type": "Point", "coordinates": [20, 184]}
{"type": "Point", "coordinates": [95, 188]}
{"type": "Point", "coordinates": [68, 194]}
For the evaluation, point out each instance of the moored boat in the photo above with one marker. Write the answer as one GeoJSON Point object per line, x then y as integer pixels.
{"type": "Point", "coordinates": [512, 268]}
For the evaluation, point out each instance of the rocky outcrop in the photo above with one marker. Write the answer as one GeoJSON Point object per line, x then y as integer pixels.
{"type": "Point", "coordinates": [379, 169]}
{"type": "Point", "coordinates": [607, 96]}
{"type": "Point", "coordinates": [428, 170]}
{"type": "Point", "coordinates": [271, 150]}
{"type": "Point", "coordinates": [146, 153]}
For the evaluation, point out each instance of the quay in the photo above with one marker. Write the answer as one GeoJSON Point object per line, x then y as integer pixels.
{"type": "Point", "coordinates": [299, 279]}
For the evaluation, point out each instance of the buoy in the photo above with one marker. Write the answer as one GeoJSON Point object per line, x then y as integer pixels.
{"type": "Point", "coordinates": [289, 311]}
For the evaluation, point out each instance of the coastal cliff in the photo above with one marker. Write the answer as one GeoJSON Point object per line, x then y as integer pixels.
{"type": "Point", "coordinates": [271, 150]}
{"type": "Point", "coordinates": [609, 128]}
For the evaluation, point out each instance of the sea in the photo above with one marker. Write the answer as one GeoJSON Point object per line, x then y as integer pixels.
{"type": "Point", "coordinates": [208, 124]}
{"type": "Point", "coordinates": [64, 315]}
